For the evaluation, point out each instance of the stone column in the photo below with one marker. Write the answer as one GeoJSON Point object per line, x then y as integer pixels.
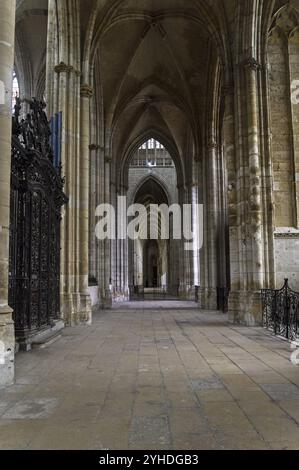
{"type": "Point", "coordinates": [185, 269]}
{"type": "Point", "coordinates": [114, 244]}
{"type": "Point", "coordinates": [73, 102]}
{"type": "Point", "coordinates": [252, 313]}
{"type": "Point", "coordinates": [7, 30]}
{"type": "Point", "coordinates": [196, 227]}
{"type": "Point", "coordinates": [93, 242]}
{"type": "Point", "coordinates": [248, 277]}
{"type": "Point", "coordinates": [93, 148]}
{"type": "Point", "coordinates": [251, 68]}
{"type": "Point", "coordinates": [208, 290]}
{"type": "Point", "coordinates": [230, 161]}
{"type": "Point", "coordinates": [86, 94]}
{"type": "Point", "coordinates": [122, 244]}
{"type": "Point", "coordinates": [213, 215]}
{"type": "Point", "coordinates": [233, 197]}
{"type": "Point", "coordinates": [100, 244]}
{"type": "Point", "coordinates": [107, 301]}
{"type": "Point", "coordinates": [294, 84]}
{"type": "Point", "coordinates": [67, 86]}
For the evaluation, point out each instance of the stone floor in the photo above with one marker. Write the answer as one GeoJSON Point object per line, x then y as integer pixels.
{"type": "Point", "coordinates": [154, 379]}
{"type": "Point", "coordinates": [156, 305]}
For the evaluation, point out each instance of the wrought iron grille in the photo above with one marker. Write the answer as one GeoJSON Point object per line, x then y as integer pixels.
{"type": "Point", "coordinates": [281, 311]}
{"type": "Point", "coordinates": [36, 200]}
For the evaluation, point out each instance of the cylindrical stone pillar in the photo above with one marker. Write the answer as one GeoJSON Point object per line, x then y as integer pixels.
{"type": "Point", "coordinates": [107, 302]}
{"type": "Point", "coordinates": [7, 30]}
{"type": "Point", "coordinates": [86, 93]}
{"type": "Point", "coordinates": [255, 177]}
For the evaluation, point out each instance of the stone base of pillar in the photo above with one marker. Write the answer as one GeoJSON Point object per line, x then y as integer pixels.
{"type": "Point", "coordinates": [95, 298]}
{"type": "Point", "coordinates": [85, 309]}
{"type": "Point", "coordinates": [7, 347]}
{"type": "Point", "coordinates": [208, 298]}
{"type": "Point", "coordinates": [121, 295]}
{"type": "Point", "coordinates": [245, 308]}
{"type": "Point", "coordinates": [25, 341]}
{"type": "Point", "coordinates": [107, 300]}
{"type": "Point", "coordinates": [76, 309]}
{"type": "Point", "coordinates": [187, 292]}
{"type": "Point", "coordinates": [182, 292]}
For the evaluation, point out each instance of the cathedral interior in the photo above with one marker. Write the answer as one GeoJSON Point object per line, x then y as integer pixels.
{"type": "Point", "coordinates": [139, 343]}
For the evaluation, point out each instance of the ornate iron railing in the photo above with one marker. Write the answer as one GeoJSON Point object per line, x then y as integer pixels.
{"type": "Point", "coordinates": [36, 200]}
{"type": "Point", "coordinates": [281, 311]}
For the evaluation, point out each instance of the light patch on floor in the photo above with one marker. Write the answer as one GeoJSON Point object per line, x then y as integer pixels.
{"type": "Point", "coordinates": [32, 409]}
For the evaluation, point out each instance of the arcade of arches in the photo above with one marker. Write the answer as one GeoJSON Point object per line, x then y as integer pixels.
{"type": "Point", "coordinates": [164, 102]}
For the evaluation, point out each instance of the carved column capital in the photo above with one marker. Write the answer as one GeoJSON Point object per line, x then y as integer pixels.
{"type": "Point", "coordinates": [212, 145]}
{"type": "Point", "coordinates": [94, 147]}
{"type": "Point", "coordinates": [86, 91]}
{"type": "Point", "coordinates": [251, 63]}
{"type": "Point", "coordinates": [62, 67]}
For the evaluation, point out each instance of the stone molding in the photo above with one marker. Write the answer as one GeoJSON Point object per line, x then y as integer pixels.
{"type": "Point", "coordinates": [286, 234]}
{"type": "Point", "coordinates": [5, 310]}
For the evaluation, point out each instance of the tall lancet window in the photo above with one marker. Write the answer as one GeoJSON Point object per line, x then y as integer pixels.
{"type": "Point", "coordinates": [15, 89]}
{"type": "Point", "coordinates": [152, 154]}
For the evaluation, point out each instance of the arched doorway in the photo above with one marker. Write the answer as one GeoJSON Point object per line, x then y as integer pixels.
{"type": "Point", "coordinates": [151, 253]}
{"type": "Point", "coordinates": [151, 272]}
{"type": "Point", "coordinates": [152, 181]}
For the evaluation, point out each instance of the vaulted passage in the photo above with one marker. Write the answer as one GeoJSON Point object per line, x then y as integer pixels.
{"type": "Point", "coordinates": [149, 217]}
{"type": "Point", "coordinates": [153, 272]}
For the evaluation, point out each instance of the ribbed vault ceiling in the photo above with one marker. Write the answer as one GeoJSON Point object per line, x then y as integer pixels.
{"type": "Point", "coordinates": [31, 43]}
{"type": "Point", "coordinates": [155, 62]}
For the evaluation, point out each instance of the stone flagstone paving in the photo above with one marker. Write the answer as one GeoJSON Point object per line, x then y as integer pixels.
{"type": "Point", "coordinates": [154, 379]}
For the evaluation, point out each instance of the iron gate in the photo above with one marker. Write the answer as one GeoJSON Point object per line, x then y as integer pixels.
{"type": "Point", "coordinates": [36, 200]}
{"type": "Point", "coordinates": [281, 311]}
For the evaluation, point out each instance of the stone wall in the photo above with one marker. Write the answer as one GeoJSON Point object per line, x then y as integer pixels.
{"type": "Point", "coordinates": [283, 76]}
{"type": "Point", "coordinates": [281, 130]}
{"type": "Point", "coordinates": [7, 346]}
{"type": "Point", "coordinates": [286, 258]}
